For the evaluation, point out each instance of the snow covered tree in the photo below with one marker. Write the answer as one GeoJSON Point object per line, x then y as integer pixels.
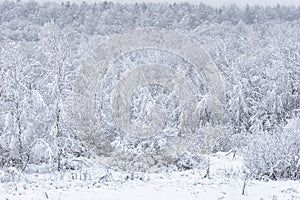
{"type": "Point", "coordinates": [55, 53]}
{"type": "Point", "coordinates": [21, 105]}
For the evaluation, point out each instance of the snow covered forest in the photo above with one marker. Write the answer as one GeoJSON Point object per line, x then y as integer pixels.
{"type": "Point", "coordinates": [256, 49]}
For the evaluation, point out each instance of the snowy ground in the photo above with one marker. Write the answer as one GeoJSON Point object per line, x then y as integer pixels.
{"type": "Point", "coordinates": [225, 182]}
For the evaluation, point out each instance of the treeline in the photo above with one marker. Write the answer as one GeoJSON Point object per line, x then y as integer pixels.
{"type": "Point", "coordinates": [21, 20]}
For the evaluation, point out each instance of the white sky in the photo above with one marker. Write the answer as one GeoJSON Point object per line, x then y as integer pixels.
{"type": "Point", "coordinates": [210, 2]}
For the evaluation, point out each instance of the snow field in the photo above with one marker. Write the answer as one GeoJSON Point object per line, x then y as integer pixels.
{"type": "Point", "coordinates": [226, 179]}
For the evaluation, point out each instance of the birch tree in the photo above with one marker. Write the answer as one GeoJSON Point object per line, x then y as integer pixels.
{"type": "Point", "coordinates": [18, 101]}
{"type": "Point", "coordinates": [57, 57]}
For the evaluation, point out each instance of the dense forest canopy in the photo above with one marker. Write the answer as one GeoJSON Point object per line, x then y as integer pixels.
{"type": "Point", "coordinates": [25, 19]}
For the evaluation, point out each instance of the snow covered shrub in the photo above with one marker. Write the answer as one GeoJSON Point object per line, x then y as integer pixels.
{"type": "Point", "coordinates": [78, 163]}
{"type": "Point", "coordinates": [41, 152]}
{"type": "Point", "coordinates": [10, 174]}
{"type": "Point", "coordinates": [275, 155]}
{"type": "Point", "coordinates": [141, 155]}
{"type": "Point", "coordinates": [191, 160]}
{"type": "Point", "coordinates": [98, 142]}
{"type": "Point", "coordinates": [3, 156]}
{"type": "Point", "coordinates": [227, 141]}
{"type": "Point", "coordinates": [154, 155]}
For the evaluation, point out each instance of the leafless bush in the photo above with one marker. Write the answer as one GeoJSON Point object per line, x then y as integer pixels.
{"type": "Point", "coordinates": [275, 155]}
